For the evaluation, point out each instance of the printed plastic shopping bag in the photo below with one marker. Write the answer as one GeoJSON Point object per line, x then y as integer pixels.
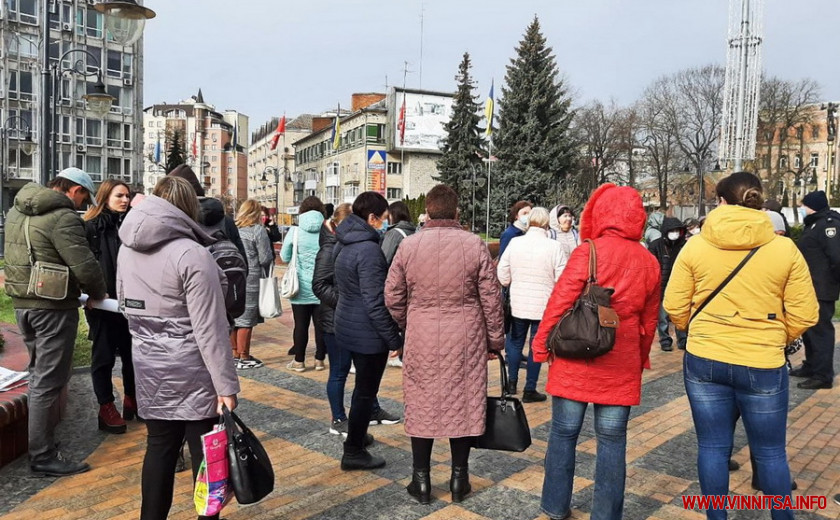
{"type": "Point", "coordinates": [212, 486]}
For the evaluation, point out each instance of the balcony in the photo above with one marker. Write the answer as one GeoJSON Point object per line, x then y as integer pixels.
{"type": "Point", "coordinates": [333, 180]}
{"type": "Point", "coordinates": [310, 185]}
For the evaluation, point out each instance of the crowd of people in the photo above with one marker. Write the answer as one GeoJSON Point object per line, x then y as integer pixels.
{"type": "Point", "coordinates": [430, 299]}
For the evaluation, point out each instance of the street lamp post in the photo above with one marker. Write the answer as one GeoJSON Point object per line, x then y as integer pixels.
{"type": "Point", "coordinates": [25, 145]}
{"type": "Point", "coordinates": [477, 182]}
{"type": "Point", "coordinates": [124, 20]}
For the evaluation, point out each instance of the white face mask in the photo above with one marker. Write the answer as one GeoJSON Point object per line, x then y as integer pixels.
{"type": "Point", "coordinates": [524, 220]}
{"type": "Point", "coordinates": [695, 231]}
{"type": "Point", "coordinates": [673, 235]}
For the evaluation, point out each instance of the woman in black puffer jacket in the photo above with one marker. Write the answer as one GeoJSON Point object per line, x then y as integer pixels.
{"type": "Point", "coordinates": [109, 330]}
{"type": "Point", "coordinates": [363, 324]}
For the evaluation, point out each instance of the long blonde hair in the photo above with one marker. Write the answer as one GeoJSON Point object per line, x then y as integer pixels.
{"type": "Point", "coordinates": [249, 213]}
{"type": "Point", "coordinates": [179, 193]}
{"type": "Point", "coordinates": [102, 196]}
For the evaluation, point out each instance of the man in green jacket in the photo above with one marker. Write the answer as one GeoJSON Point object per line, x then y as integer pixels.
{"type": "Point", "coordinates": [56, 235]}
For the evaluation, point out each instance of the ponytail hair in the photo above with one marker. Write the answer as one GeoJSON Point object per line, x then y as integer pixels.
{"type": "Point", "coordinates": [741, 189]}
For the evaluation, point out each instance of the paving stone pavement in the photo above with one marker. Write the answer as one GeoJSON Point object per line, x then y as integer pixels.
{"type": "Point", "coordinates": [290, 413]}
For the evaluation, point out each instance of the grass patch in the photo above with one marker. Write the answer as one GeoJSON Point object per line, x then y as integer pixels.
{"type": "Point", "coordinates": [2, 263]}
{"type": "Point", "coordinates": [82, 352]}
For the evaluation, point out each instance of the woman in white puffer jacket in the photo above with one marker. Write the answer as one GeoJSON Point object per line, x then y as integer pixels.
{"type": "Point", "coordinates": [530, 266]}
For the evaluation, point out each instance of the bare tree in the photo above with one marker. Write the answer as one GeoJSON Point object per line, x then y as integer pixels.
{"type": "Point", "coordinates": [785, 111]}
{"type": "Point", "coordinates": [696, 115]}
{"type": "Point", "coordinates": [658, 133]}
{"type": "Point", "coordinates": [598, 130]}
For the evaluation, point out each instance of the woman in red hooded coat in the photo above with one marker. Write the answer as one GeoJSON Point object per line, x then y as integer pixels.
{"type": "Point", "coordinates": [615, 220]}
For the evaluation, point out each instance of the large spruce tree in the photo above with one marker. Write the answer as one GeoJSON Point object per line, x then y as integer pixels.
{"type": "Point", "coordinates": [534, 142]}
{"type": "Point", "coordinates": [462, 144]}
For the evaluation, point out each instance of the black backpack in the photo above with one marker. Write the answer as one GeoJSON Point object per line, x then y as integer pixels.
{"type": "Point", "coordinates": [230, 261]}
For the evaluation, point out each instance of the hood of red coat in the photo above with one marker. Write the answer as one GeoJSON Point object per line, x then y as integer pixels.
{"type": "Point", "coordinates": [613, 211]}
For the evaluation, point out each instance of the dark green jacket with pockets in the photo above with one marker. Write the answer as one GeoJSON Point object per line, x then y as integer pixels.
{"type": "Point", "coordinates": [57, 234]}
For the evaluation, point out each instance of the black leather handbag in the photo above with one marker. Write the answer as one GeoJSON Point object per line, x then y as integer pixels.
{"type": "Point", "coordinates": [250, 471]}
{"type": "Point", "coordinates": [506, 424]}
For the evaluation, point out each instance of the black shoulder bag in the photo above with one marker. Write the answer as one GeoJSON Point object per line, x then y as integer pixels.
{"type": "Point", "coordinates": [506, 425]}
{"type": "Point", "coordinates": [250, 471]}
{"type": "Point", "coordinates": [723, 284]}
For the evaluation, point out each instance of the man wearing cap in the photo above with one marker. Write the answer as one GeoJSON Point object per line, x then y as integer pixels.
{"type": "Point", "coordinates": [56, 234]}
{"type": "Point", "coordinates": [820, 245]}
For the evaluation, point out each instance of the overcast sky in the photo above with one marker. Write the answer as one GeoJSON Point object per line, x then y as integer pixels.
{"type": "Point", "coordinates": [267, 57]}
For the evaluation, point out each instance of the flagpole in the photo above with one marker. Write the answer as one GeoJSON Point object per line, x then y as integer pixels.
{"type": "Point", "coordinates": [489, 160]}
{"type": "Point", "coordinates": [281, 176]}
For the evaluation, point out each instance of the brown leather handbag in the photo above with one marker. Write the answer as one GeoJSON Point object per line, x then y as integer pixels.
{"type": "Point", "coordinates": [587, 330]}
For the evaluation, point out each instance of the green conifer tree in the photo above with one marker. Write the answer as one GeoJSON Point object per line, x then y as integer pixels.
{"type": "Point", "coordinates": [534, 142]}
{"type": "Point", "coordinates": [463, 142]}
{"type": "Point", "coordinates": [175, 154]}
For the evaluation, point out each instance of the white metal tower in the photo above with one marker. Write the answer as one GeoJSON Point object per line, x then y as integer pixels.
{"type": "Point", "coordinates": [743, 81]}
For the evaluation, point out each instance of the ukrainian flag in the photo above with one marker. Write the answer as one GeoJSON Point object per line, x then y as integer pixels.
{"type": "Point", "coordinates": [336, 130]}
{"type": "Point", "coordinates": [488, 111]}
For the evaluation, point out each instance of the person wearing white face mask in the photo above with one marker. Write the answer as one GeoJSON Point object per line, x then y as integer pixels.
{"type": "Point", "coordinates": [665, 249]}
{"type": "Point", "coordinates": [518, 224]}
{"type": "Point", "coordinates": [692, 227]}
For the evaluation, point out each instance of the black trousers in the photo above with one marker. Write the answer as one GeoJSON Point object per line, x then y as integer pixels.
{"type": "Point", "coordinates": [304, 315]}
{"type": "Point", "coordinates": [110, 335]}
{"type": "Point", "coordinates": [421, 451]}
{"type": "Point", "coordinates": [163, 444]}
{"type": "Point", "coordinates": [819, 345]}
{"type": "Point", "coordinates": [369, 370]}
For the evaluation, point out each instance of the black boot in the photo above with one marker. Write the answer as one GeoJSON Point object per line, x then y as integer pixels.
{"type": "Point", "coordinates": [359, 458]}
{"type": "Point", "coordinates": [420, 486]}
{"type": "Point", "coordinates": [459, 484]}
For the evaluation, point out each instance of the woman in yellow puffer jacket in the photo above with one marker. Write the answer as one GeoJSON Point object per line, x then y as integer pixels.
{"type": "Point", "coordinates": [735, 360]}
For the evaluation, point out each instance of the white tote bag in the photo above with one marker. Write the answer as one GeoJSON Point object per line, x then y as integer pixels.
{"type": "Point", "coordinates": [270, 296]}
{"type": "Point", "coordinates": [289, 285]}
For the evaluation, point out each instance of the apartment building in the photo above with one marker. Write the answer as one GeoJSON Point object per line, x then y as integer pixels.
{"type": "Point", "coordinates": [373, 154]}
{"type": "Point", "coordinates": [104, 146]}
{"type": "Point", "coordinates": [214, 144]}
{"type": "Point", "coordinates": [267, 166]}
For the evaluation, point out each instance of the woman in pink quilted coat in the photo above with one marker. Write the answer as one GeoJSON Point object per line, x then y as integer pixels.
{"type": "Point", "coordinates": [442, 290]}
{"type": "Point", "coordinates": [614, 219]}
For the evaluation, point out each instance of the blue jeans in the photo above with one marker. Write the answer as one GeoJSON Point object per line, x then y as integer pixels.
{"type": "Point", "coordinates": [610, 465]}
{"type": "Point", "coordinates": [514, 344]}
{"type": "Point", "coordinates": [717, 392]}
{"type": "Point", "coordinates": [663, 326]}
{"type": "Point", "coordinates": [339, 368]}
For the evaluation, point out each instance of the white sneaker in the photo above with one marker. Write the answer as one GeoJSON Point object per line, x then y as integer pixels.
{"type": "Point", "coordinates": [395, 362]}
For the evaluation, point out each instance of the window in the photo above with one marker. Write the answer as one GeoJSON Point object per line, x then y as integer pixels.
{"type": "Point", "coordinates": [376, 133]}
{"type": "Point", "coordinates": [93, 166]}
{"type": "Point", "coordinates": [783, 161]}
{"type": "Point", "coordinates": [94, 133]}
{"type": "Point", "coordinates": [394, 168]}
{"type": "Point", "coordinates": [113, 64]}
{"type": "Point", "coordinates": [797, 161]}
{"type": "Point", "coordinates": [94, 24]}
{"type": "Point", "coordinates": [93, 63]}
{"type": "Point", "coordinates": [114, 165]}
{"type": "Point", "coordinates": [20, 85]}
{"type": "Point", "coordinates": [815, 132]}
{"type": "Point", "coordinates": [64, 130]}
{"type": "Point", "coordinates": [25, 11]}
{"type": "Point", "coordinates": [127, 60]}
{"type": "Point", "coordinates": [214, 158]}
{"type": "Point", "coordinates": [800, 131]}
{"type": "Point", "coordinates": [22, 47]}
{"type": "Point", "coordinates": [332, 195]}
{"type": "Point", "coordinates": [151, 124]}
{"type": "Point", "coordinates": [114, 136]}
{"type": "Point", "coordinates": [815, 159]}
{"type": "Point", "coordinates": [393, 193]}
{"type": "Point", "coordinates": [350, 193]}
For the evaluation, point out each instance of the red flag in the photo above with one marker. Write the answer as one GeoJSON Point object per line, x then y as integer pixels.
{"type": "Point", "coordinates": [281, 130]}
{"type": "Point", "coordinates": [401, 122]}
{"type": "Point", "coordinates": [194, 147]}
